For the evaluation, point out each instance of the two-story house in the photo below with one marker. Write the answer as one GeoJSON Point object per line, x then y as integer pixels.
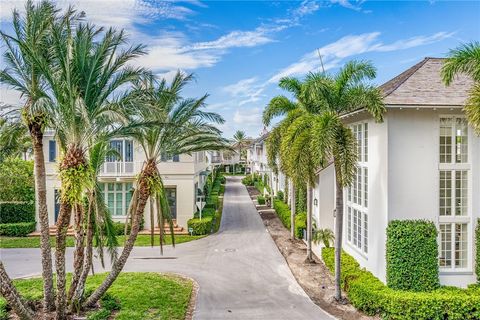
{"type": "Point", "coordinates": [422, 162]}
{"type": "Point", "coordinates": [183, 175]}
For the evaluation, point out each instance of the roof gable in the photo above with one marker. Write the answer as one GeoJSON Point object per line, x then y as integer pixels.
{"type": "Point", "coordinates": [421, 85]}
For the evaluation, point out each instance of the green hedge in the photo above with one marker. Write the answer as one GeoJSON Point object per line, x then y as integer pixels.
{"type": "Point", "coordinates": [248, 180]}
{"type": "Point", "coordinates": [412, 255]}
{"type": "Point", "coordinates": [283, 212]}
{"type": "Point", "coordinates": [300, 224]}
{"type": "Point", "coordinates": [477, 241]}
{"type": "Point", "coordinates": [370, 295]}
{"type": "Point", "coordinates": [17, 212]}
{"type": "Point", "coordinates": [21, 229]}
{"type": "Point", "coordinates": [280, 195]}
{"type": "Point", "coordinates": [201, 227]}
{"type": "Point", "coordinates": [261, 199]}
{"type": "Point", "coordinates": [17, 181]}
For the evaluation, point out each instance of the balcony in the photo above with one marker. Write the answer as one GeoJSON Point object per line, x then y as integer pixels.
{"type": "Point", "coordinates": [117, 168]}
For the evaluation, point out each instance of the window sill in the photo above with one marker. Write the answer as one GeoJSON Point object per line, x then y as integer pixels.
{"type": "Point", "coordinates": [455, 272]}
{"type": "Point", "coordinates": [357, 250]}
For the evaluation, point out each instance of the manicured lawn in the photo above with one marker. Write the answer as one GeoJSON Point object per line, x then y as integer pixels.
{"type": "Point", "coordinates": [142, 241]}
{"type": "Point", "coordinates": [141, 295]}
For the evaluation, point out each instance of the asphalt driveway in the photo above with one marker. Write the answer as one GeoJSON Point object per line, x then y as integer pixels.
{"type": "Point", "coordinates": [240, 271]}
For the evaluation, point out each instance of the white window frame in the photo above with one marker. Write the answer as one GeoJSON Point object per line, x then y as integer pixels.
{"type": "Point", "coordinates": [124, 193]}
{"type": "Point", "coordinates": [453, 219]}
{"type": "Point", "coordinates": [361, 190]}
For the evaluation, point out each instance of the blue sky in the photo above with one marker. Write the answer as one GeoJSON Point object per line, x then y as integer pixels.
{"type": "Point", "coordinates": [238, 50]}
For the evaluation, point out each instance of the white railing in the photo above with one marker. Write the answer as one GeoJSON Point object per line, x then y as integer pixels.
{"type": "Point", "coordinates": [117, 168]}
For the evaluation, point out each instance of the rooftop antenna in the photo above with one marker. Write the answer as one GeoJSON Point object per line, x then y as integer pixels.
{"type": "Point", "coordinates": [321, 61]}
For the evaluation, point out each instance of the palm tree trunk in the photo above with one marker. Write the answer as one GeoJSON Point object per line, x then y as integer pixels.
{"type": "Point", "coordinates": [73, 161]}
{"type": "Point", "coordinates": [88, 258]}
{"type": "Point", "coordinates": [36, 133]}
{"type": "Point", "coordinates": [338, 237]}
{"type": "Point", "coordinates": [309, 224]}
{"type": "Point", "coordinates": [293, 208]}
{"type": "Point", "coordinates": [79, 251]}
{"type": "Point", "coordinates": [10, 293]}
{"type": "Point", "coordinates": [149, 172]}
{"type": "Point", "coordinates": [62, 228]}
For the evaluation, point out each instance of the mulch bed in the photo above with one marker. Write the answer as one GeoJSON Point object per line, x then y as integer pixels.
{"type": "Point", "coordinates": [314, 278]}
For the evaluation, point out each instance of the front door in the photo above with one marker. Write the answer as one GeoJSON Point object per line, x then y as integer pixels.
{"type": "Point", "coordinates": [171, 194]}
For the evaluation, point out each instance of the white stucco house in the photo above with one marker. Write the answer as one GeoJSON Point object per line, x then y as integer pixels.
{"type": "Point", "coordinates": [422, 162]}
{"type": "Point", "coordinates": [183, 175]}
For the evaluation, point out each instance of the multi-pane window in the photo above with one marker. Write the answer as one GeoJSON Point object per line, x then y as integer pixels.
{"type": "Point", "coordinates": [123, 151]}
{"type": "Point", "coordinates": [357, 193]}
{"type": "Point", "coordinates": [117, 196]}
{"type": "Point", "coordinates": [454, 169]}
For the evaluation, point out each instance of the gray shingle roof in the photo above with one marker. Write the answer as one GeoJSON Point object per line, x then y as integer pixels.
{"type": "Point", "coordinates": [421, 85]}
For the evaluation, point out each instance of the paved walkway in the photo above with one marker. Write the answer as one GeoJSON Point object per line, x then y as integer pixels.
{"type": "Point", "coordinates": [241, 273]}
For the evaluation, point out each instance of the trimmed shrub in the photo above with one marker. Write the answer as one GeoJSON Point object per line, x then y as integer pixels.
{"type": "Point", "coordinates": [477, 243]}
{"type": "Point", "coordinates": [368, 294]}
{"type": "Point", "coordinates": [21, 229]}
{"type": "Point", "coordinates": [248, 180]}
{"type": "Point", "coordinates": [261, 199]}
{"type": "Point", "coordinates": [300, 224]}
{"type": "Point", "coordinates": [280, 195]}
{"type": "Point", "coordinates": [283, 212]}
{"type": "Point", "coordinates": [200, 227]}
{"type": "Point", "coordinates": [412, 255]}
{"type": "Point", "coordinates": [17, 212]}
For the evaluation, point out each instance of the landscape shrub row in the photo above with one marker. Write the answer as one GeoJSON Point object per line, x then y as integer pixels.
{"type": "Point", "coordinates": [212, 212]}
{"type": "Point", "coordinates": [477, 241]}
{"type": "Point", "coordinates": [14, 212]}
{"type": "Point", "coordinates": [368, 294]}
{"type": "Point", "coordinates": [283, 212]}
{"type": "Point", "coordinates": [261, 200]}
{"type": "Point", "coordinates": [20, 229]}
{"type": "Point", "coordinates": [412, 255]}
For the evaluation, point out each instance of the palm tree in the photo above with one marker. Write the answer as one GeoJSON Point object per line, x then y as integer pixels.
{"type": "Point", "coordinates": [179, 126]}
{"type": "Point", "coordinates": [280, 106]}
{"type": "Point", "coordinates": [21, 73]}
{"type": "Point", "coordinates": [466, 59]}
{"type": "Point", "coordinates": [84, 77]}
{"type": "Point", "coordinates": [240, 142]}
{"type": "Point", "coordinates": [333, 141]}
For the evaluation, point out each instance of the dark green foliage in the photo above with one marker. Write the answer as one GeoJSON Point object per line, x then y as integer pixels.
{"type": "Point", "coordinates": [201, 227]}
{"type": "Point", "coordinates": [261, 200]}
{"type": "Point", "coordinates": [370, 295]}
{"type": "Point", "coordinates": [109, 302]}
{"type": "Point", "coordinates": [17, 181]}
{"type": "Point", "coordinates": [102, 314]}
{"type": "Point", "coordinates": [477, 243]}
{"type": "Point", "coordinates": [21, 229]}
{"type": "Point", "coordinates": [120, 227]}
{"type": "Point", "coordinates": [283, 212]}
{"type": "Point", "coordinates": [300, 224]}
{"type": "Point", "coordinates": [280, 195]}
{"type": "Point", "coordinates": [11, 212]}
{"type": "Point", "coordinates": [412, 255]}
{"type": "Point", "coordinates": [3, 310]}
{"type": "Point", "coordinates": [301, 199]}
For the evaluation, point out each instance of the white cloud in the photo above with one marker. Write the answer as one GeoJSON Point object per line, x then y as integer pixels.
{"type": "Point", "coordinates": [235, 39]}
{"type": "Point", "coordinates": [246, 91]}
{"type": "Point", "coordinates": [10, 97]}
{"type": "Point", "coordinates": [306, 7]}
{"type": "Point", "coordinates": [248, 117]}
{"type": "Point", "coordinates": [354, 5]}
{"type": "Point", "coordinates": [351, 45]}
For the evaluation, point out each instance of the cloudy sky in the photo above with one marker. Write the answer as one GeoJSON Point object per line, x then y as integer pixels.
{"type": "Point", "coordinates": [239, 50]}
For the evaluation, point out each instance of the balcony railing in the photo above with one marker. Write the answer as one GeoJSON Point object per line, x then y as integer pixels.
{"type": "Point", "coordinates": [117, 168]}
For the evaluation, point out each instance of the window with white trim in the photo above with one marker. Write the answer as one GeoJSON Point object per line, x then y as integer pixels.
{"type": "Point", "coordinates": [454, 217]}
{"type": "Point", "coordinates": [357, 193]}
{"type": "Point", "coordinates": [117, 196]}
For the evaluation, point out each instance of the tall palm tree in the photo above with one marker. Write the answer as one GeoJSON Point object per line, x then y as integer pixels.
{"type": "Point", "coordinates": [87, 71]}
{"type": "Point", "coordinates": [333, 141]}
{"type": "Point", "coordinates": [281, 106]}
{"type": "Point", "coordinates": [240, 142]}
{"type": "Point", "coordinates": [31, 32]}
{"type": "Point", "coordinates": [178, 126]}
{"type": "Point", "coordinates": [466, 59]}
